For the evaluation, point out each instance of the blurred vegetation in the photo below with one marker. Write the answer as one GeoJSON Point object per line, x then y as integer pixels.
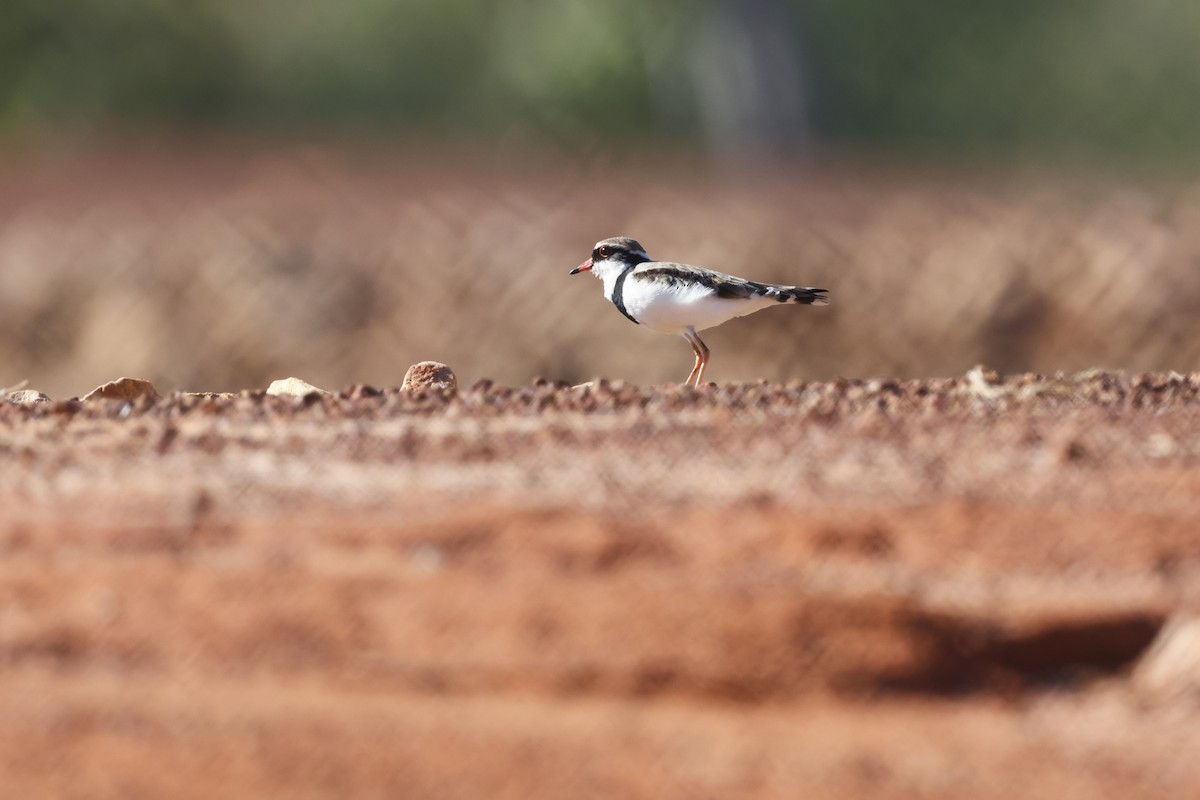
{"type": "Point", "coordinates": [1013, 75]}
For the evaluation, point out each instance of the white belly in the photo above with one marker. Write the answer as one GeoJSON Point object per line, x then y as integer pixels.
{"type": "Point", "coordinates": [671, 309]}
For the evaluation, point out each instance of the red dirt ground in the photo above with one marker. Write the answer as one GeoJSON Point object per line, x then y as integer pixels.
{"type": "Point", "coordinates": [945, 589]}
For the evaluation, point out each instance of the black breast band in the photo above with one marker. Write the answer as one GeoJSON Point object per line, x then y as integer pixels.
{"type": "Point", "coordinates": [618, 293]}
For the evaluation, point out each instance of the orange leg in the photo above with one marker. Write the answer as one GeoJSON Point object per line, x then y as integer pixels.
{"type": "Point", "coordinates": [702, 353]}
{"type": "Point", "coordinates": [695, 367]}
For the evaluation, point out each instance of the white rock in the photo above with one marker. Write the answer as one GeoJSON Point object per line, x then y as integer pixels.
{"type": "Point", "coordinates": [26, 397]}
{"type": "Point", "coordinates": [293, 387]}
{"type": "Point", "coordinates": [984, 382]}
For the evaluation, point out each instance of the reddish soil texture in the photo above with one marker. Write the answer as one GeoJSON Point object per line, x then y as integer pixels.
{"type": "Point", "coordinates": [956, 588]}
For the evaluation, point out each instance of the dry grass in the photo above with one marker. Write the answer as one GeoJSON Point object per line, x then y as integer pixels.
{"type": "Point", "coordinates": [224, 270]}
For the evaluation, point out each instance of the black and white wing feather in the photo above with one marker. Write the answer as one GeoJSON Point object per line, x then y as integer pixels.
{"type": "Point", "coordinates": [724, 286]}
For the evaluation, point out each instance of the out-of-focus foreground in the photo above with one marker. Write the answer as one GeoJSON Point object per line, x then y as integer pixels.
{"type": "Point", "coordinates": [970, 588]}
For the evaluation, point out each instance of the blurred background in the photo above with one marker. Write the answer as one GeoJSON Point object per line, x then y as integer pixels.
{"type": "Point", "coordinates": [215, 194]}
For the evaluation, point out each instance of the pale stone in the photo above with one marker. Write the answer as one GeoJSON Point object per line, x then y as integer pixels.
{"type": "Point", "coordinates": [293, 387]}
{"type": "Point", "coordinates": [26, 397]}
{"type": "Point", "coordinates": [984, 382]}
{"type": "Point", "coordinates": [123, 389]}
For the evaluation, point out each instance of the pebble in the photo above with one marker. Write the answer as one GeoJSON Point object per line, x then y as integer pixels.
{"type": "Point", "coordinates": [123, 389]}
{"type": "Point", "coordinates": [430, 375]}
{"type": "Point", "coordinates": [26, 397]}
{"type": "Point", "coordinates": [293, 387]}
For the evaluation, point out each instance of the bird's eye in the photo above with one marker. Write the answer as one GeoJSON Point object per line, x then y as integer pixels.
{"type": "Point", "coordinates": [605, 251]}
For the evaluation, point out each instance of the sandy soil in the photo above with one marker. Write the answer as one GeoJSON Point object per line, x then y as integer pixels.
{"type": "Point", "coordinates": [968, 587]}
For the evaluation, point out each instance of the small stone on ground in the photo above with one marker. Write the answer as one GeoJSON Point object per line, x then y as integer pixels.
{"type": "Point", "coordinates": [25, 396]}
{"type": "Point", "coordinates": [293, 387]}
{"type": "Point", "coordinates": [430, 375]}
{"type": "Point", "coordinates": [123, 389]}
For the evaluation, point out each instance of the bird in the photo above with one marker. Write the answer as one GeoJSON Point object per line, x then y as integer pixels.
{"type": "Point", "coordinates": [679, 298]}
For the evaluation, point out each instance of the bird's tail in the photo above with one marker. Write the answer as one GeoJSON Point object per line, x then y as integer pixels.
{"type": "Point", "coordinates": [804, 295]}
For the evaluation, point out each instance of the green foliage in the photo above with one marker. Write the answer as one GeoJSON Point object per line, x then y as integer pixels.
{"type": "Point", "coordinates": [84, 62]}
{"type": "Point", "coordinates": [374, 60]}
{"type": "Point", "coordinates": [1018, 74]}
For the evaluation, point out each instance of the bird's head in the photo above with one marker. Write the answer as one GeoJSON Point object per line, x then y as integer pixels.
{"type": "Point", "coordinates": [615, 254]}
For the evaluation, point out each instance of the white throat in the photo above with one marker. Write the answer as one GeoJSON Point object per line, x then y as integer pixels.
{"type": "Point", "coordinates": [608, 271]}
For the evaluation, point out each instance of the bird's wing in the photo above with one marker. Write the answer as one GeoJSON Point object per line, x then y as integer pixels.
{"type": "Point", "coordinates": [672, 274]}
{"type": "Point", "coordinates": [728, 287]}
